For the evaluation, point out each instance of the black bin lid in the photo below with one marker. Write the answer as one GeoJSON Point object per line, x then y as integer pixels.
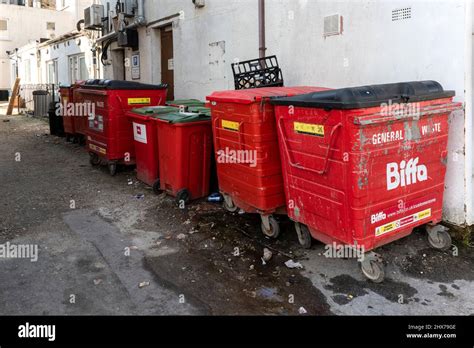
{"type": "Point", "coordinates": [122, 85]}
{"type": "Point", "coordinates": [368, 96]}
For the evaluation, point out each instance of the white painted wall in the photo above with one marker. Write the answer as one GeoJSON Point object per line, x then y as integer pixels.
{"type": "Point", "coordinates": [27, 24]}
{"type": "Point", "coordinates": [61, 52]}
{"type": "Point", "coordinates": [28, 60]}
{"type": "Point", "coordinates": [75, 7]}
{"type": "Point", "coordinates": [435, 44]}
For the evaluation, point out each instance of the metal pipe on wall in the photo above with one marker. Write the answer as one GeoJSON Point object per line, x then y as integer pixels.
{"type": "Point", "coordinates": [261, 28]}
{"type": "Point", "coordinates": [140, 20]}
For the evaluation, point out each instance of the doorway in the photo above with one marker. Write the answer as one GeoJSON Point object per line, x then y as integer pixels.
{"type": "Point", "coordinates": [167, 62]}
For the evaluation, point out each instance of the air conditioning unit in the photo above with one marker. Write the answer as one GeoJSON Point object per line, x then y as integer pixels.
{"type": "Point", "coordinates": [127, 7]}
{"type": "Point", "coordinates": [128, 38]}
{"type": "Point", "coordinates": [93, 17]}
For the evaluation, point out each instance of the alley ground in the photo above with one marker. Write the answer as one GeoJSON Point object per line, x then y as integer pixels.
{"type": "Point", "coordinates": [184, 259]}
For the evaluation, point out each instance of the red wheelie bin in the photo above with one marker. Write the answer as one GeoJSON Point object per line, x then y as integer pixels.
{"type": "Point", "coordinates": [68, 111]}
{"type": "Point", "coordinates": [66, 97]}
{"type": "Point", "coordinates": [363, 166]}
{"type": "Point", "coordinates": [185, 153]}
{"type": "Point", "coordinates": [80, 119]}
{"type": "Point", "coordinates": [247, 153]}
{"type": "Point", "coordinates": [146, 143]}
{"type": "Point", "coordinates": [109, 133]}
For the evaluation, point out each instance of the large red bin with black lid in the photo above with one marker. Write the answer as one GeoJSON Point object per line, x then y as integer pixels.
{"type": "Point", "coordinates": [363, 166]}
{"type": "Point", "coordinates": [109, 132]}
{"type": "Point", "coordinates": [247, 153]}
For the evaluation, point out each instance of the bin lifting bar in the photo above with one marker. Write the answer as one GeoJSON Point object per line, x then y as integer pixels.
{"type": "Point", "coordinates": [326, 159]}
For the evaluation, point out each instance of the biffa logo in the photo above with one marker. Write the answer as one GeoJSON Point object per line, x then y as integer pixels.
{"type": "Point", "coordinates": [406, 174]}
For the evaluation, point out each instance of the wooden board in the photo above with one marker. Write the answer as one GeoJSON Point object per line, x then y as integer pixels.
{"type": "Point", "coordinates": [15, 90]}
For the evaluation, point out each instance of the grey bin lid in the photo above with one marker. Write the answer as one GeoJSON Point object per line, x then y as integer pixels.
{"type": "Point", "coordinates": [368, 96]}
{"type": "Point", "coordinates": [40, 92]}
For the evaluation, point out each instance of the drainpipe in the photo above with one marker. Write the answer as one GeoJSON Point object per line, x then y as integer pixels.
{"type": "Point", "coordinates": [140, 20]}
{"type": "Point", "coordinates": [261, 28]}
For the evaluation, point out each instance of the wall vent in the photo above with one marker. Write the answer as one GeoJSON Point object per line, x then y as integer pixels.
{"type": "Point", "coordinates": [401, 14]}
{"type": "Point", "coordinates": [332, 25]}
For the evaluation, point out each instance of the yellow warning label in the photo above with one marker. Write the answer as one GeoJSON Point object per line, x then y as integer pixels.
{"type": "Point", "coordinates": [230, 125]}
{"type": "Point", "coordinates": [98, 149]}
{"type": "Point", "coordinates": [308, 128]}
{"type": "Point", "coordinates": [395, 225]}
{"type": "Point", "coordinates": [424, 214]}
{"type": "Point", "coordinates": [136, 101]}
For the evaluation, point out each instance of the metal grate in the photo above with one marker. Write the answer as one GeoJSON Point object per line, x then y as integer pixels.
{"type": "Point", "coordinates": [401, 14]}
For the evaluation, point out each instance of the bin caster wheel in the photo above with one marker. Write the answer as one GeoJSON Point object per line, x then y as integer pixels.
{"type": "Point", "coordinates": [156, 187]}
{"type": "Point", "coordinates": [112, 169]}
{"type": "Point", "coordinates": [304, 236]}
{"type": "Point", "coordinates": [229, 204]}
{"type": "Point", "coordinates": [94, 159]}
{"type": "Point", "coordinates": [270, 226]}
{"type": "Point", "coordinates": [373, 269]}
{"type": "Point", "coordinates": [68, 138]}
{"type": "Point", "coordinates": [182, 196]}
{"type": "Point", "coordinates": [438, 237]}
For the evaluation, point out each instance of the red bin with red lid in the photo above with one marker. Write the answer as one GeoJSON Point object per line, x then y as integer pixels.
{"type": "Point", "coordinates": [247, 153]}
{"type": "Point", "coordinates": [68, 111]}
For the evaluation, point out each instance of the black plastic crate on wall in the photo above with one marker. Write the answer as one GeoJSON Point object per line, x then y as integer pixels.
{"type": "Point", "coordinates": [256, 73]}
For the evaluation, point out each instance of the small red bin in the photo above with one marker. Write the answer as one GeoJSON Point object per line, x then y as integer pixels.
{"type": "Point", "coordinates": [145, 138]}
{"type": "Point", "coordinates": [185, 152]}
